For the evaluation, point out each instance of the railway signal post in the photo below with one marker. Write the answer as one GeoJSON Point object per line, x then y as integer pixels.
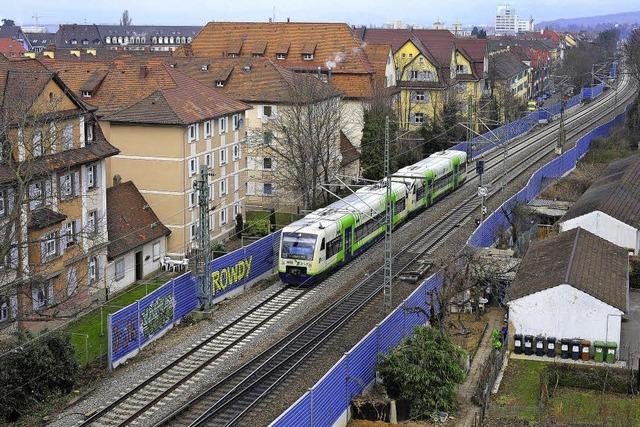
{"type": "Point", "coordinates": [482, 190]}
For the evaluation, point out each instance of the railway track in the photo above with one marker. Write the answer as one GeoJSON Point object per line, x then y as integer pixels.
{"type": "Point", "coordinates": [228, 400]}
{"type": "Point", "coordinates": [179, 375]}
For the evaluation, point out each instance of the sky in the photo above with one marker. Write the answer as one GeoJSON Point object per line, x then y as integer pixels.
{"type": "Point", "coordinates": [357, 12]}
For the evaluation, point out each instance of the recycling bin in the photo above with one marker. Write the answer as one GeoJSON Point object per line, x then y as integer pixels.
{"type": "Point", "coordinates": [611, 352]}
{"type": "Point", "coordinates": [551, 347]}
{"type": "Point", "coordinates": [599, 349]}
{"type": "Point", "coordinates": [517, 343]}
{"type": "Point", "coordinates": [575, 349]}
{"type": "Point", "coordinates": [539, 346]}
{"type": "Point", "coordinates": [565, 353]}
{"type": "Point", "coordinates": [528, 345]}
{"type": "Point", "coordinates": [585, 350]}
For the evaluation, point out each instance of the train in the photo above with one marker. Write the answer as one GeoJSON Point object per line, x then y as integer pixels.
{"type": "Point", "coordinates": [330, 237]}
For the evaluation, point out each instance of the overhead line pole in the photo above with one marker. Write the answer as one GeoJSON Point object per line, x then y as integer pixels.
{"type": "Point", "coordinates": [203, 251]}
{"type": "Point", "coordinates": [388, 301]}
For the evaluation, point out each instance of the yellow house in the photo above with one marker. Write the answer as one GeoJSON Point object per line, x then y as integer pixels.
{"type": "Point", "coordinates": [510, 80]}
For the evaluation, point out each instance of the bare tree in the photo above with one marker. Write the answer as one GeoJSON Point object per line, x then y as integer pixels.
{"type": "Point", "coordinates": [125, 19]}
{"type": "Point", "coordinates": [304, 137]}
{"type": "Point", "coordinates": [632, 54]}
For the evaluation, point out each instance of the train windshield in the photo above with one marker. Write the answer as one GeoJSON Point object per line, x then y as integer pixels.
{"type": "Point", "coordinates": [298, 245]}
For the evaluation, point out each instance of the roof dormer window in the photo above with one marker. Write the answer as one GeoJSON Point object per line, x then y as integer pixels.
{"type": "Point", "coordinates": [281, 56]}
{"type": "Point", "coordinates": [219, 83]}
{"type": "Point", "coordinates": [86, 94]}
{"type": "Point", "coordinates": [308, 56]}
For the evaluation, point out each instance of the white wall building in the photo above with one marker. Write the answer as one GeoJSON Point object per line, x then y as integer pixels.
{"type": "Point", "coordinates": [137, 238]}
{"type": "Point", "coordinates": [508, 23]}
{"type": "Point", "coordinates": [610, 208]}
{"type": "Point", "coordinates": [573, 285]}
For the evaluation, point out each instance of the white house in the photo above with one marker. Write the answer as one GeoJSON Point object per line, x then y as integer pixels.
{"type": "Point", "coordinates": [573, 285]}
{"type": "Point", "coordinates": [137, 238]}
{"type": "Point", "coordinates": [610, 208]}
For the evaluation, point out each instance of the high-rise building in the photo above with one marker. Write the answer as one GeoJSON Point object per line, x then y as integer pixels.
{"type": "Point", "coordinates": [508, 23]}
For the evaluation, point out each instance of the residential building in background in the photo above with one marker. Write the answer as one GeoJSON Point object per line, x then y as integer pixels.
{"type": "Point", "coordinates": [53, 197]}
{"type": "Point", "coordinates": [510, 80]}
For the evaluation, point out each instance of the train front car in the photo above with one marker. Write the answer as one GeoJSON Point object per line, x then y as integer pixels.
{"type": "Point", "coordinates": [298, 262]}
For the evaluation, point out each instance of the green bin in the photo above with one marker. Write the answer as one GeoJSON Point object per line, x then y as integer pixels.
{"type": "Point", "coordinates": [599, 349]}
{"type": "Point", "coordinates": [611, 352]}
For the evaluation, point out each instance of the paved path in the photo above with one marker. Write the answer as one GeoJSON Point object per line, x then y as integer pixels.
{"type": "Point", "coordinates": [467, 409]}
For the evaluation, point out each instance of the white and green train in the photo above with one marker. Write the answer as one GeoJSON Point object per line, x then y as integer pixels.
{"type": "Point", "coordinates": [330, 237]}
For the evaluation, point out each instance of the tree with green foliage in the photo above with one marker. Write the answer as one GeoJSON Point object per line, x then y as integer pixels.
{"type": "Point", "coordinates": [34, 370]}
{"type": "Point", "coordinates": [8, 23]}
{"type": "Point", "coordinates": [425, 369]}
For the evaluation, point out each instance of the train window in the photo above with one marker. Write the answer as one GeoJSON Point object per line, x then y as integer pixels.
{"type": "Point", "coordinates": [399, 205]}
{"type": "Point", "coordinates": [333, 247]}
{"type": "Point", "coordinates": [420, 193]}
{"type": "Point", "coordinates": [298, 246]}
{"type": "Point", "coordinates": [322, 245]}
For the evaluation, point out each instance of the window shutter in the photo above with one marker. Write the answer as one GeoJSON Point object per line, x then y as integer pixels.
{"type": "Point", "coordinates": [259, 189]}
{"type": "Point", "coordinates": [14, 306]}
{"type": "Point", "coordinates": [97, 174]}
{"type": "Point", "coordinates": [13, 255]}
{"type": "Point", "coordinates": [61, 180]}
{"type": "Point", "coordinates": [236, 182]}
{"type": "Point", "coordinates": [11, 195]}
{"type": "Point", "coordinates": [412, 117]}
{"type": "Point", "coordinates": [51, 297]}
{"type": "Point", "coordinates": [251, 162]}
{"type": "Point", "coordinates": [273, 163]}
{"type": "Point", "coordinates": [72, 282]}
{"type": "Point", "coordinates": [32, 194]}
{"type": "Point", "coordinates": [48, 193]}
{"type": "Point", "coordinates": [62, 241]}
{"type": "Point", "coordinates": [86, 179]}
{"type": "Point", "coordinates": [82, 136]}
{"type": "Point", "coordinates": [43, 250]}
{"type": "Point", "coordinates": [76, 183]}
{"type": "Point", "coordinates": [34, 298]}
{"type": "Point", "coordinates": [251, 189]}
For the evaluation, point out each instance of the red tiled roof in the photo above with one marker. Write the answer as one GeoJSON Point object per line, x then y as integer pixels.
{"type": "Point", "coordinates": [334, 46]}
{"type": "Point", "coordinates": [378, 55]}
{"type": "Point", "coordinates": [11, 48]}
{"type": "Point", "coordinates": [130, 220]}
{"type": "Point", "coordinates": [348, 151]}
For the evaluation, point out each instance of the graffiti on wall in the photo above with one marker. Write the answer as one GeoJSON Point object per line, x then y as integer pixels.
{"type": "Point", "coordinates": [123, 335]}
{"type": "Point", "coordinates": [229, 276]}
{"type": "Point", "coordinates": [157, 315]}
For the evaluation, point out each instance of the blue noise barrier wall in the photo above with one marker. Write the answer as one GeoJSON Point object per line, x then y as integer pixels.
{"type": "Point", "coordinates": [139, 323]}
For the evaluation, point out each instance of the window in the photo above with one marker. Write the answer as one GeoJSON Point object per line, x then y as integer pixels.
{"type": "Point", "coordinates": [219, 83]}
{"type": "Point", "coordinates": [267, 110]}
{"type": "Point", "coordinates": [49, 247]}
{"type": "Point", "coordinates": [89, 131]}
{"type": "Point", "coordinates": [42, 296]}
{"type": "Point", "coordinates": [236, 151]}
{"type": "Point", "coordinates": [333, 247]}
{"type": "Point", "coordinates": [222, 125]}
{"type": "Point", "coordinates": [192, 199]}
{"type": "Point", "coordinates": [193, 231]}
{"type": "Point", "coordinates": [37, 143]}
{"type": "Point", "coordinates": [267, 189]}
{"type": "Point", "coordinates": [193, 166]}
{"type": "Point", "coordinates": [207, 159]}
{"type": "Point", "coordinates": [236, 121]}
{"type": "Point", "coordinates": [67, 137]}
{"type": "Point", "coordinates": [223, 187]}
{"type": "Point", "coordinates": [155, 251]}
{"type": "Point", "coordinates": [207, 129]}
{"type": "Point", "coordinates": [308, 56]}
{"type": "Point", "coordinates": [223, 216]}
{"type": "Point", "coordinates": [223, 156]}
{"type": "Point", "coordinates": [36, 194]}
{"type": "Point", "coordinates": [419, 96]}
{"type": "Point", "coordinates": [418, 118]}
{"type": "Point", "coordinates": [266, 163]}
{"type": "Point", "coordinates": [281, 56]}
{"type": "Point", "coordinates": [108, 40]}
{"type": "Point", "coordinates": [70, 233]}
{"type": "Point", "coordinates": [413, 75]}
{"type": "Point", "coordinates": [92, 181]}
{"type": "Point", "coordinates": [236, 209]}
{"type": "Point", "coordinates": [86, 94]}
{"type": "Point", "coordinates": [92, 222]}
{"type": "Point", "coordinates": [66, 185]}
{"type": "Point", "coordinates": [461, 69]}
{"type": "Point", "coordinates": [93, 269]}
{"type": "Point", "coordinates": [119, 267]}
{"type": "Point", "coordinates": [4, 309]}
{"type": "Point", "coordinates": [193, 132]}
{"type": "Point", "coordinates": [267, 137]}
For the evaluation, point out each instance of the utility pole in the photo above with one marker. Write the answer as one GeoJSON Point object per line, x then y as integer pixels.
{"type": "Point", "coordinates": [388, 301]}
{"type": "Point", "coordinates": [202, 257]}
{"type": "Point", "coordinates": [562, 137]}
{"type": "Point", "coordinates": [469, 133]}
{"type": "Point", "coordinates": [482, 190]}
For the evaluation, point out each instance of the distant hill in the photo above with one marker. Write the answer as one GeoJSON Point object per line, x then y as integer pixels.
{"type": "Point", "coordinates": [626, 18]}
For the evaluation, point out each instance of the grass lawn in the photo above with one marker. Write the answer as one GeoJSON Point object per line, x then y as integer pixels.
{"type": "Point", "coordinates": [582, 407]}
{"type": "Point", "coordinates": [519, 390]}
{"type": "Point", "coordinates": [282, 218]}
{"type": "Point", "coordinates": [88, 333]}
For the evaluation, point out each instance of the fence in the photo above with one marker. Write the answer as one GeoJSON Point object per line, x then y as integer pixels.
{"type": "Point", "coordinates": [485, 235]}
{"type": "Point", "coordinates": [131, 328]}
{"type": "Point", "coordinates": [328, 400]}
{"type": "Point", "coordinates": [494, 138]}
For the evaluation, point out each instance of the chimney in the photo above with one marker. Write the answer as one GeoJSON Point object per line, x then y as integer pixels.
{"type": "Point", "coordinates": [117, 179]}
{"type": "Point", "coordinates": [288, 19]}
{"type": "Point", "coordinates": [144, 72]}
{"type": "Point", "coordinates": [270, 20]}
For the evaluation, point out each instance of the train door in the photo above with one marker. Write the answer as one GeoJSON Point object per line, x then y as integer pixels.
{"type": "Point", "coordinates": [456, 171]}
{"type": "Point", "coordinates": [347, 244]}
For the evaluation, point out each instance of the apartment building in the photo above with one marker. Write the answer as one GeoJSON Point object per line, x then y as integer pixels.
{"type": "Point", "coordinates": [508, 23]}
{"type": "Point", "coordinates": [269, 89]}
{"type": "Point", "coordinates": [330, 50]}
{"type": "Point", "coordinates": [52, 197]}
{"type": "Point", "coordinates": [432, 65]}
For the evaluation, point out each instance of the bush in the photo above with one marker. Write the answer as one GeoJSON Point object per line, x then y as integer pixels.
{"type": "Point", "coordinates": [35, 370]}
{"type": "Point", "coordinates": [425, 370]}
